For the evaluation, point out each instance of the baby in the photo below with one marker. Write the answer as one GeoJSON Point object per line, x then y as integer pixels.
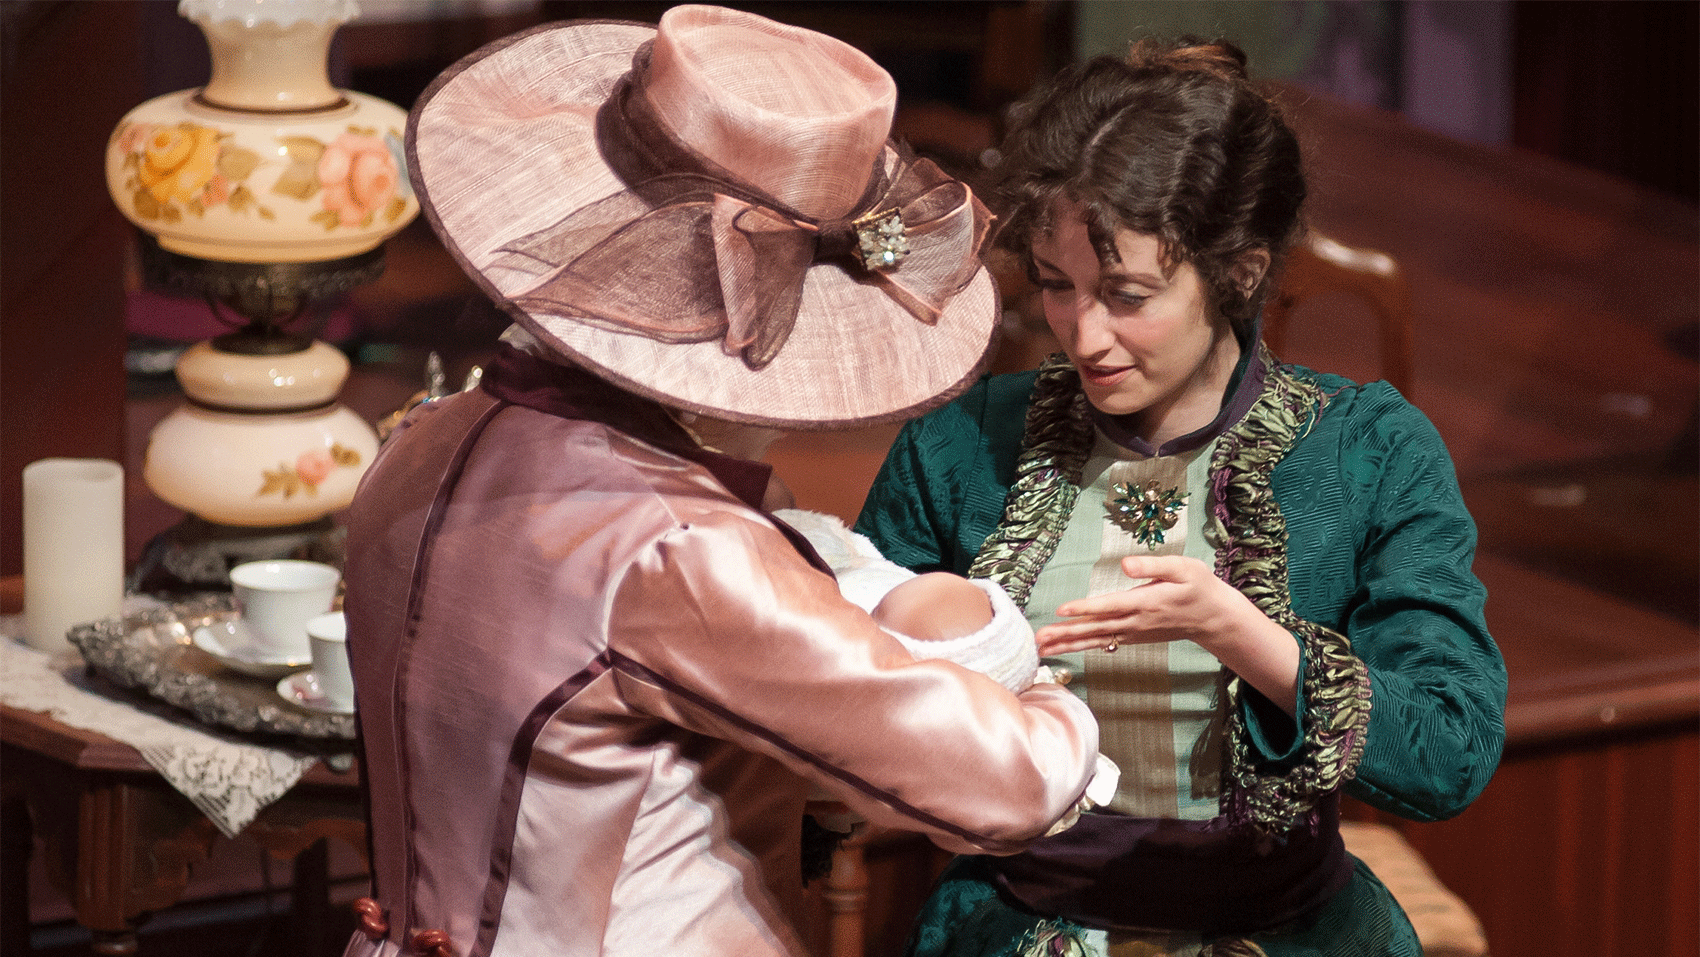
{"type": "Point", "coordinates": [934, 615]}
{"type": "Point", "coordinates": [970, 621]}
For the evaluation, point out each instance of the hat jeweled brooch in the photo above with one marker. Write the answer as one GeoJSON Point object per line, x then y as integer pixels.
{"type": "Point", "coordinates": [881, 240]}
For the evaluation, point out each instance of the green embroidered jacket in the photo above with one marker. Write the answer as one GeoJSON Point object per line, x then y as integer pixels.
{"type": "Point", "coordinates": [1379, 548]}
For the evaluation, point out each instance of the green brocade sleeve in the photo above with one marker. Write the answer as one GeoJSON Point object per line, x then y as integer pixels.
{"type": "Point", "coordinates": [1380, 547]}
{"type": "Point", "coordinates": [941, 489]}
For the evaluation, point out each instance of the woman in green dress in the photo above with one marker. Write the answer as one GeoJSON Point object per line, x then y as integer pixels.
{"type": "Point", "coordinates": [1257, 575]}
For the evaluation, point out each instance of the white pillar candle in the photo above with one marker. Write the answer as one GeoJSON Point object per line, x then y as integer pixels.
{"type": "Point", "coordinates": [73, 547]}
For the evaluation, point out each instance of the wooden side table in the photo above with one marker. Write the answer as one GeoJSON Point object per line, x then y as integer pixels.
{"type": "Point", "coordinates": [121, 842]}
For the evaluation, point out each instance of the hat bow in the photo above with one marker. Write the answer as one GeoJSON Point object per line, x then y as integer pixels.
{"type": "Point", "coordinates": [642, 272]}
{"type": "Point", "coordinates": [637, 261]}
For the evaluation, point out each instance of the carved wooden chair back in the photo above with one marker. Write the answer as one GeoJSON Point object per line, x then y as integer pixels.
{"type": "Point", "coordinates": [1321, 265]}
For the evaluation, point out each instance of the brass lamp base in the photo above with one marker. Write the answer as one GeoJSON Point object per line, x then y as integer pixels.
{"type": "Point", "coordinates": [266, 296]}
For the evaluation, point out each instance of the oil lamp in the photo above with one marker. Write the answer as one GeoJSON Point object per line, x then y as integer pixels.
{"type": "Point", "coordinates": [264, 191]}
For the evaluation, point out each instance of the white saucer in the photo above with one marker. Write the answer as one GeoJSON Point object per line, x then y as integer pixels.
{"type": "Point", "coordinates": [227, 640]}
{"type": "Point", "coordinates": [302, 688]}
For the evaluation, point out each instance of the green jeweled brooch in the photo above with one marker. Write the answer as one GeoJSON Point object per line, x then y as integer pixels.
{"type": "Point", "coordinates": [1145, 510]}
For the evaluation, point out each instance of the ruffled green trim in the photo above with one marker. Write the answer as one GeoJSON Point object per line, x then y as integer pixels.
{"type": "Point", "coordinates": [1250, 537]}
{"type": "Point", "coordinates": [1054, 448]}
{"type": "Point", "coordinates": [1053, 938]}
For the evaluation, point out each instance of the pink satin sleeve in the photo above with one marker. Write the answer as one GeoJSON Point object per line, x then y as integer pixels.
{"type": "Point", "coordinates": [722, 628]}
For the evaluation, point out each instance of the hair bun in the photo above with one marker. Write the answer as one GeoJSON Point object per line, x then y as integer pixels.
{"type": "Point", "coordinates": [1220, 58]}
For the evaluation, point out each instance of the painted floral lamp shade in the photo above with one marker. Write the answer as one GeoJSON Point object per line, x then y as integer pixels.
{"type": "Point", "coordinates": [268, 162]}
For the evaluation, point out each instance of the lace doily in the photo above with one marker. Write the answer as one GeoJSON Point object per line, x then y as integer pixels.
{"type": "Point", "coordinates": [230, 781]}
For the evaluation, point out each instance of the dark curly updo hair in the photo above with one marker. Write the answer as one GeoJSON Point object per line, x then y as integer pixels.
{"type": "Point", "coordinates": [1173, 141]}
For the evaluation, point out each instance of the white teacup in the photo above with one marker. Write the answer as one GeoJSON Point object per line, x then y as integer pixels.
{"type": "Point", "coordinates": [275, 599]}
{"type": "Point", "coordinates": [329, 635]}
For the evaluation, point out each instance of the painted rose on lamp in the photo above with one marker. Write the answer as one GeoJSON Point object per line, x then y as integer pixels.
{"type": "Point", "coordinates": [268, 162]}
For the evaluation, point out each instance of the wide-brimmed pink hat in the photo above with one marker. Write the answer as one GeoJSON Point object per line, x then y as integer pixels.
{"type": "Point", "coordinates": [709, 212]}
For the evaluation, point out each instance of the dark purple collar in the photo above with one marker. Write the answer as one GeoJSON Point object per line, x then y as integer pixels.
{"type": "Point", "coordinates": [1243, 390]}
{"type": "Point", "coordinates": [573, 393]}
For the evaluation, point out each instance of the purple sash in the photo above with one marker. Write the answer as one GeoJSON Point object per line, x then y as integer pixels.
{"type": "Point", "coordinates": [1126, 873]}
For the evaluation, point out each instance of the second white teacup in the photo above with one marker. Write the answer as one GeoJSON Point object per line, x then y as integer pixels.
{"type": "Point", "coordinates": [277, 597]}
{"type": "Point", "coordinates": [329, 635]}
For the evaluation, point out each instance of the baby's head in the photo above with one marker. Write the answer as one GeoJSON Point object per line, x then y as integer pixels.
{"type": "Point", "coordinates": [935, 606]}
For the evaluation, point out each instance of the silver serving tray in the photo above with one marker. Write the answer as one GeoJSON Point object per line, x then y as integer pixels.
{"type": "Point", "coordinates": [153, 651]}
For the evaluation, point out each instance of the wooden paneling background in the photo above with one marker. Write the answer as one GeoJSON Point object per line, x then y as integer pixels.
{"type": "Point", "coordinates": [1580, 848]}
{"type": "Point", "coordinates": [63, 264]}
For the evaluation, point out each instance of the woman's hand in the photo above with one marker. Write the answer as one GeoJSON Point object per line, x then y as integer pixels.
{"type": "Point", "coordinates": [1176, 598]}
